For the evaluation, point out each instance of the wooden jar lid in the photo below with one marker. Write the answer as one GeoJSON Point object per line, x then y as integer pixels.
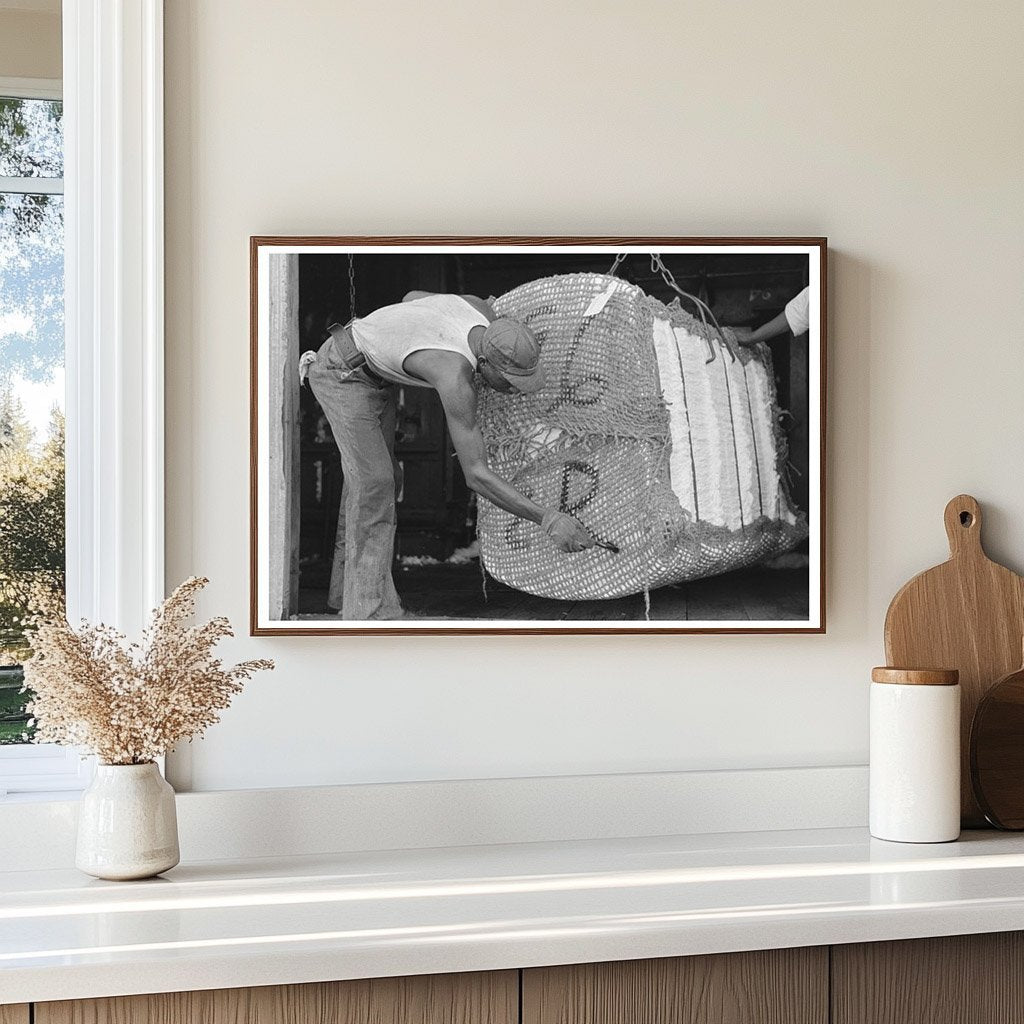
{"type": "Point", "coordinates": [916, 676]}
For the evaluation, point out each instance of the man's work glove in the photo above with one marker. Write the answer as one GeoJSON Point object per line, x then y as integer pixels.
{"type": "Point", "coordinates": [565, 532]}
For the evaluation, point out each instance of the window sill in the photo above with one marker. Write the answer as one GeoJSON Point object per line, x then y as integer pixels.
{"type": "Point", "coordinates": [42, 771]}
{"type": "Point", "coordinates": [41, 797]}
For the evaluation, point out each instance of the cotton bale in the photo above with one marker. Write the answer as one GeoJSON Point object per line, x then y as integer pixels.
{"type": "Point", "coordinates": [677, 461]}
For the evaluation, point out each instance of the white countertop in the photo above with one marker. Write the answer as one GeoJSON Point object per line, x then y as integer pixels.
{"type": "Point", "coordinates": [352, 915]}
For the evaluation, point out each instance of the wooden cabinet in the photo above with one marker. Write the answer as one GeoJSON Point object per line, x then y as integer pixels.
{"type": "Point", "coordinates": [778, 986]}
{"type": "Point", "coordinates": [962, 979]}
{"type": "Point", "coordinates": [972, 979]}
{"type": "Point", "coordinates": [491, 998]}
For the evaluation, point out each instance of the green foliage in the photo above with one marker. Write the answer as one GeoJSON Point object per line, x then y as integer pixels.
{"type": "Point", "coordinates": [14, 727]}
{"type": "Point", "coordinates": [31, 545]}
{"type": "Point", "coordinates": [31, 515]}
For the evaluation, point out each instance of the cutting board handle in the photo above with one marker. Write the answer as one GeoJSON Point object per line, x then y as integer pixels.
{"type": "Point", "coordinates": [963, 526]}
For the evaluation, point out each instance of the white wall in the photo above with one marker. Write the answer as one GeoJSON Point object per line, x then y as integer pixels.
{"type": "Point", "coordinates": [895, 129]}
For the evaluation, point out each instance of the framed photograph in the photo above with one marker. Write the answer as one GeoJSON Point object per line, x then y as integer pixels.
{"type": "Point", "coordinates": [537, 435]}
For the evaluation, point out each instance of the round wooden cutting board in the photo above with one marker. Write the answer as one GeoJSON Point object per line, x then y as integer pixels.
{"type": "Point", "coordinates": [967, 614]}
{"type": "Point", "coordinates": [997, 752]}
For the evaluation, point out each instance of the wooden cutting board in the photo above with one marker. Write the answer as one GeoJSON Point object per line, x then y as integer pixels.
{"type": "Point", "coordinates": [967, 614]}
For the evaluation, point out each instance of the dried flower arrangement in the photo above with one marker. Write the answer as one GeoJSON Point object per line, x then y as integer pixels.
{"type": "Point", "coordinates": [130, 703]}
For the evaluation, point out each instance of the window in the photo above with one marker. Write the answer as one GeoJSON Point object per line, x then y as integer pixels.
{"type": "Point", "coordinates": [32, 530]}
{"type": "Point", "coordinates": [112, 213]}
{"type": "Point", "coordinates": [31, 382]}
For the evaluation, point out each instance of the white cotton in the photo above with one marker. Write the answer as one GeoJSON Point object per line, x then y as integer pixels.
{"type": "Point", "coordinates": [680, 467]}
{"type": "Point", "coordinates": [705, 396]}
{"type": "Point", "coordinates": [541, 439]}
{"type": "Point", "coordinates": [722, 436]}
{"type": "Point", "coordinates": [745, 463]}
{"type": "Point", "coordinates": [598, 302]}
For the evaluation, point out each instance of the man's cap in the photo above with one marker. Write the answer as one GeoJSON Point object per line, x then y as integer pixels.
{"type": "Point", "coordinates": [511, 348]}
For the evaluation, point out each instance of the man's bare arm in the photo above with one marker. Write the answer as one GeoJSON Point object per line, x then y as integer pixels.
{"type": "Point", "coordinates": [459, 400]}
{"type": "Point", "coordinates": [451, 376]}
{"type": "Point", "coordinates": [772, 329]}
{"type": "Point", "coordinates": [565, 532]}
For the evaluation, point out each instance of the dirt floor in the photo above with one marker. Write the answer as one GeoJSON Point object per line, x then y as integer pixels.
{"type": "Point", "coordinates": [455, 592]}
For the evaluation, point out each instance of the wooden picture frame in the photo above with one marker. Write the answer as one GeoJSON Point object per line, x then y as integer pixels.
{"type": "Point", "coordinates": [299, 283]}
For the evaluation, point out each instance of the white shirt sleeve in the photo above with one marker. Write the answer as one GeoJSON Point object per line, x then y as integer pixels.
{"type": "Point", "coordinates": [797, 312]}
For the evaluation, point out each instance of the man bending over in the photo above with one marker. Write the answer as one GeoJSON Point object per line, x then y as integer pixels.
{"type": "Point", "coordinates": [454, 344]}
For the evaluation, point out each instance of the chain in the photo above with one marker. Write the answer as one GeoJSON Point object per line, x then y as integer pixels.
{"type": "Point", "coordinates": [351, 286]}
{"type": "Point", "coordinates": [703, 309]}
{"type": "Point", "coordinates": [615, 266]}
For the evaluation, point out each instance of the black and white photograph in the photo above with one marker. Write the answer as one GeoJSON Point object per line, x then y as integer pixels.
{"type": "Point", "coordinates": [537, 435]}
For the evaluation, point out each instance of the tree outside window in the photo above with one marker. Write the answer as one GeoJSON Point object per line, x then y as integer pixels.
{"type": "Point", "coordinates": [31, 386]}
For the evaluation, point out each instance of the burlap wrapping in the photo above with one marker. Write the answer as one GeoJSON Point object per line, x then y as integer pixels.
{"type": "Point", "coordinates": [675, 460]}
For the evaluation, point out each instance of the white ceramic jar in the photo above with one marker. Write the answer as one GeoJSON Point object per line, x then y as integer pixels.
{"type": "Point", "coordinates": [127, 823]}
{"type": "Point", "coordinates": [915, 755]}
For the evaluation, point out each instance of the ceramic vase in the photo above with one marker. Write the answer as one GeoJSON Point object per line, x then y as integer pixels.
{"type": "Point", "coordinates": [127, 825]}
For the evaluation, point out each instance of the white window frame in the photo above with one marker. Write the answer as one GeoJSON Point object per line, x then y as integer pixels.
{"type": "Point", "coordinates": [37, 767]}
{"type": "Point", "coordinates": [114, 346]}
{"type": "Point", "coordinates": [31, 89]}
